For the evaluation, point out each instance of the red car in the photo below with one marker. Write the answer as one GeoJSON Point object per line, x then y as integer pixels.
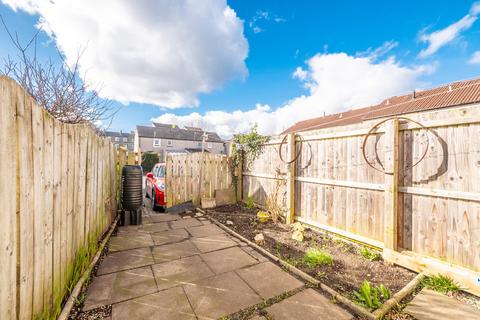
{"type": "Point", "coordinates": [155, 186]}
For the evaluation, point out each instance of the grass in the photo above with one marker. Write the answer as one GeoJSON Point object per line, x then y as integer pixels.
{"type": "Point", "coordinates": [368, 254]}
{"type": "Point", "coordinates": [316, 257]}
{"type": "Point", "coordinates": [441, 283]}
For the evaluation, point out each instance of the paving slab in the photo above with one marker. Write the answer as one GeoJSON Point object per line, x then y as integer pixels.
{"type": "Point", "coordinates": [228, 259]}
{"type": "Point", "coordinates": [181, 271]}
{"type": "Point", "coordinates": [163, 217]}
{"type": "Point", "coordinates": [185, 223]}
{"type": "Point", "coordinates": [268, 280]}
{"type": "Point", "coordinates": [165, 305]}
{"type": "Point", "coordinates": [307, 305]}
{"type": "Point", "coordinates": [120, 286]}
{"type": "Point", "coordinates": [254, 253]}
{"type": "Point", "coordinates": [221, 295]}
{"type": "Point", "coordinates": [168, 252]}
{"type": "Point", "coordinates": [169, 236]}
{"type": "Point", "coordinates": [123, 260]}
{"type": "Point", "coordinates": [156, 227]}
{"type": "Point", "coordinates": [431, 305]}
{"type": "Point", "coordinates": [205, 230]}
{"type": "Point", "coordinates": [214, 242]}
{"type": "Point", "coordinates": [130, 230]}
{"type": "Point", "coordinates": [130, 241]}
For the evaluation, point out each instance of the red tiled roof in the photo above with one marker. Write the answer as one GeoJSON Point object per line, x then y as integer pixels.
{"type": "Point", "coordinates": [455, 94]}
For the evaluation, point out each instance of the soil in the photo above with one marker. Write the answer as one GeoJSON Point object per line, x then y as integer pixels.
{"type": "Point", "coordinates": [349, 268]}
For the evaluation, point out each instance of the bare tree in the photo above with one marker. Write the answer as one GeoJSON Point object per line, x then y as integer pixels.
{"type": "Point", "coordinates": [56, 86]}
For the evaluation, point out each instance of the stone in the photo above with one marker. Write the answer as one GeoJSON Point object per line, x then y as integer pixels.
{"type": "Point", "coordinates": [225, 196]}
{"type": "Point", "coordinates": [268, 280]}
{"type": "Point", "coordinates": [297, 226]}
{"type": "Point", "coordinates": [208, 203]}
{"type": "Point", "coordinates": [120, 286]}
{"type": "Point", "coordinates": [212, 243]}
{"type": "Point", "coordinates": [204, 230]}
{"type": "Point", "coordinates": [185, 223]}
{"type": "Point", "coordinates": [123, 260]}
{"type": "Point", "coordinates": [181, 271]}
{"type": "Point", "coordinates": [170, 236]}
{"type": "Point", "coordinates": [130, 241]}
{"type": "Point", "coordinates": [229, 223]}
{"type": "Point", "coordinates": [219, 296]}
{"type": "Point", "coordinates": [307, 305]}
{"type": "Point", "coordinates": [168, 252]}
{"type": "Point", "coordinates": [297, 236]}
{"type": "Point", "coordinates": [259, 239]}
{"type": "Point", "coordinates": [198, 214]}
{"type": "Point", "coordinates": [431, 305]}
{"type": "Point", "coordinates": [228, 259]}
{"type": "Point", "coordinates": [165, 305]}
{"type": "Point", "coordinates": [156, 227]}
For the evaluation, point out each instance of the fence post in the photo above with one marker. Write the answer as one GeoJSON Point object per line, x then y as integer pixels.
{"type": "Point", "coordinates": [290, 218]}
{"type": "Point", "coordinates": [391, 185]}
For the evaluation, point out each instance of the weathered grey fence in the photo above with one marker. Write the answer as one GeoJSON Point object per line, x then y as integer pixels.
{"type": "Point", "coordinates": [57, 196]}
{"type": "Point", "coordinates": [425, 218]}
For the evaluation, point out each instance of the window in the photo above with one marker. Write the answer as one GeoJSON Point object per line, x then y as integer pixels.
{"type": "Point", "coordinates": [116, 145]}
{"type": "Point", "coordinates": [156, 142]}
{"type": "Point", "coordinates": [117, 139]}
{"type": "Point", "coordinates": [161, 172]}
{"type": "Point", "coordinates": [169, 143]}
{"type": "Point", "coordinates": [199, 144]}
{"type": "Point", "coordinates": [209, 145]}
{"type": "Point", "coordinates": [125, 139]}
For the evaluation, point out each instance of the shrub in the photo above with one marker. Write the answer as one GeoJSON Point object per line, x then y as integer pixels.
{"type": "Point", "coordinates": [441, 283]}
{"type": "Point", "coordinates": [369, 254]}
{"type": "Point", "coordinates": [370, 297]}
{"type": "Point", "coordinates": [149, 159]}
{"type": "Point", "coordinates": [249, 203]}
{"type": "Point", "coordinates": [315, 257]}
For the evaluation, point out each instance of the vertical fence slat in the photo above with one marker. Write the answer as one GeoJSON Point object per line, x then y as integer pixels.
{"type": "Point", "coordinates": [57, 212]}
{"type": "Point", "coordinates": [8, 199]}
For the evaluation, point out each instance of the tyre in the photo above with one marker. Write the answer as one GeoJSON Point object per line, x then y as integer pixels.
{"type": "Point", "coordinates": [154, 200]}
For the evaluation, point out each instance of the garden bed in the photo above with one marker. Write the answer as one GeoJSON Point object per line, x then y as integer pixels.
{"type": "Point", "coordinates": [345, 274]}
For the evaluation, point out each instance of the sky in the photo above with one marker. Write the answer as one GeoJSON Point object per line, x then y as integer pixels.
{"type": "Point", "coordinates": [226, 65]}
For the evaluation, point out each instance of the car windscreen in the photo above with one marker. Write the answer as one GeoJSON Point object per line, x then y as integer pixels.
{"type": "Point", "coordinates": [161, 172]}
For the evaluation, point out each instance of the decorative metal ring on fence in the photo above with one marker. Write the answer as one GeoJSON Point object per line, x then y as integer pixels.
{"type": "Point", "coordinates": [284, 140]}
{"type": "Point", "coordinates": [372, 130]}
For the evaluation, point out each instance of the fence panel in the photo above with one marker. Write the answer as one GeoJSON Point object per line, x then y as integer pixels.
{"type": "Point", "coordinates": [189, 177]}
{"type": "Point", "coordinates": [54, 198]}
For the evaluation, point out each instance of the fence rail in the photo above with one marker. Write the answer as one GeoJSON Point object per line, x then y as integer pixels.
{"type": "Point", "coordinates": [57, 192]}
{"type": "Point", "coordinates": [425, 217]}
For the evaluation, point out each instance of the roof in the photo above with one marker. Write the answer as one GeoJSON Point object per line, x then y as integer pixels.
{"type": "Point", "coordinates": [451, 95]}
{"type": "Point", "coordinates": [118, 134]}
{"type": "Point", "coordinates": [175, 133]}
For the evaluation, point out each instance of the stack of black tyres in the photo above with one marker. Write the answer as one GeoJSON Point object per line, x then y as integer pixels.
{"type": "Point", "coordinates": [132, 193]}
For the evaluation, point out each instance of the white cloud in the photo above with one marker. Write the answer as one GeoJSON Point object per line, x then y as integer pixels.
{"type": "Point", "coordinates": [160, 52]}
{"type": "Point", "coordinates": [440, 38]}
{"type": "Point", "coordinates": [262, 18]}
{"type": "Point", "coordinates": [475, 58]}
{"type": "Point", "coordinates": [300, 74]}
{"type": "Point", "coordinates": [336, 82]}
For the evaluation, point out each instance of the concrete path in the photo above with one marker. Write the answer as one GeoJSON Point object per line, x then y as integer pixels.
{"type": "Point", "coordinates": [187, 268]}
{"type": "Point", "coordinates": [431, 305]}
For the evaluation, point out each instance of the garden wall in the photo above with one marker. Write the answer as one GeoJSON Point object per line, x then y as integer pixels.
{"type": "Point", "coordinates": [58, 196]}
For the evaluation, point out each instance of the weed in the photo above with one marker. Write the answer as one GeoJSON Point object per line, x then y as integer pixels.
{"type": "Point", "coordinates": [80, 299]}
{"type": "Point", "coordinates": [369, 254]}
{"type": "Point", "coordinates": [371, 297]}
{"type": "Point", "coordinates": [441, 283]}
{"type": "Point", "coordinates": [315, 257]}
{"type": "Point", "coordinates": [249, 203]}
{"type": "Point", "coordinates": [321, 274]}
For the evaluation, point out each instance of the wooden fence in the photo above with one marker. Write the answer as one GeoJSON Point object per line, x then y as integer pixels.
{"type": "Point", "coordinates": [426, 218]}
{"type": "Point", "coordinates": [57, 194]}
{"type": "Point", "coordinates": [189, 177]}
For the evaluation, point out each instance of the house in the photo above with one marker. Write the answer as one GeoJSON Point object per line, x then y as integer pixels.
{"type": "Point", "coordinates": [121, 139]}
{"type": "Point", "coordinates": [165, 138]}
{"type": "Point", "coordinates": [451, 95]}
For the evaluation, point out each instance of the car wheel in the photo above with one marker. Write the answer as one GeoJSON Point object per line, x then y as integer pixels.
{"type": "Point", "coordinates": [154, 200]}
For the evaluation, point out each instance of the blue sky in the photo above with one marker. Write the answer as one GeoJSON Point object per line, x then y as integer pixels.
{"type": "Point", "coordinates": [281, 36]}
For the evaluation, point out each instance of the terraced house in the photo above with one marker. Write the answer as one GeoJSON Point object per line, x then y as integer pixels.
{"type": "Point", "coordinates": [165, 138]}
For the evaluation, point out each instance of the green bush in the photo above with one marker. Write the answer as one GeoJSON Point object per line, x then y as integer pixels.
{"type": "Point", "coordinates": [315, 257]}
{"type": "Point", "coordinates": [149, 159]}
{"type": "Point", "coordinates": [370, 297]}
{"type": "Point", "coordinates": [249, 203]}
{"type": "Point", "coordinates": [369, 254]}
{"type": "Point", "coordinates": [441, 283]}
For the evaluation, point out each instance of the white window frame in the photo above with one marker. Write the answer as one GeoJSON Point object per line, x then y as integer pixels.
{"type": "Point", "coordinates": [199, 144]}
{"type": "Point", "coordinates": [210, 145]}
{"type": "Point", "coordinates": [125, 139]}
{"type": "Point", "coordinates": [169, 143]}
{"type": "Point", "coordinates": [117, 139]}
{"type": "Point", "coordinates": [157, 143]}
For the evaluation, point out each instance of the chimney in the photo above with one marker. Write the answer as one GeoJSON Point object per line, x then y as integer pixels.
{"type": "Point", "coordinates": [449, 88]}
{"type": "Point", "coordinates": [414, 94]}
{"type": "Point", "coordinates": [388, 102]}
